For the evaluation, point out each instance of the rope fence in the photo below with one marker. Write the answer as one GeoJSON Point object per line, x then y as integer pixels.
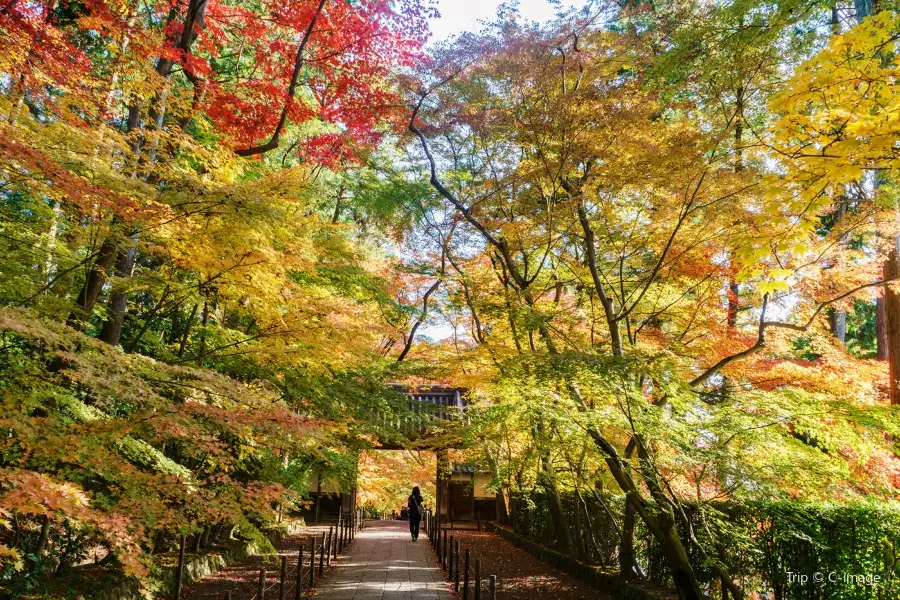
{"type": "Point", "coordinates": [448, 553]}
{"type": "Point", "coordinates": [311, 563]}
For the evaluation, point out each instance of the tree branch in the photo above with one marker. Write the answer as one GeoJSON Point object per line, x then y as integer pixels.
{"type": "Point", "coordinates": [424, 314]}
{"type": "Point", "coordinates": [760, 343]}
{"type": "Point", "coordinates": [763, 325]}
{"type": "Point", "coordinates": [292, 90]}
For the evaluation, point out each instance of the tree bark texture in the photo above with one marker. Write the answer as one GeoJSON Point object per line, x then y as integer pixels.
{"type": "Point", "coordinates": [892, 322]}
{"type": "Point", "coordinates": [93, 285]}
{"type": "Point", "coordinates": [118, 300]}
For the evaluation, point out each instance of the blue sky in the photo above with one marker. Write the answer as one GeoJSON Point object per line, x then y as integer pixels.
{"type": "Point", "coordinates": [463, 15]}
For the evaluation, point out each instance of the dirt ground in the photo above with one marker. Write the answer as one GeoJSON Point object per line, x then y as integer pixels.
{"type": "Point", "coordinates": [242, 578]}
{"type": "Point", "coordinates": [520, 576]}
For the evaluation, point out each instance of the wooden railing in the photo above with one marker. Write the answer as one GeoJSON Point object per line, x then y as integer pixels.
{"type": "Point", "coordinates": [310, 564]}
{"type": "Point", "coordinates": [424, 408]}
{"type": "Point", "coordinates": [448, 552]}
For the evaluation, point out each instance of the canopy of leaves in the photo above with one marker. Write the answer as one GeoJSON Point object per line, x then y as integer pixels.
{"type": "Point", "coordinates": [630, 233]}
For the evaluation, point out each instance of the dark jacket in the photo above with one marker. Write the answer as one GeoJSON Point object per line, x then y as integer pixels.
{"type": "Point", "coordinates": [415, 507]}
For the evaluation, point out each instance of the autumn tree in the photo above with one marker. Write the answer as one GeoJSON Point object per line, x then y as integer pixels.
{"type": "Point", "coordinates": [613, 222]}
{"type": "Point", "coordinates": [166, 176]}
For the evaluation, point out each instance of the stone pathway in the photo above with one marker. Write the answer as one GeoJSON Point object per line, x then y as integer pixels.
{"type": "Point", "coordinates": [385, 564]}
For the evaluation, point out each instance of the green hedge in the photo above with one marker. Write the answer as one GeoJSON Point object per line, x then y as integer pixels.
{"type": "Point", "coordinates": [786, 550]}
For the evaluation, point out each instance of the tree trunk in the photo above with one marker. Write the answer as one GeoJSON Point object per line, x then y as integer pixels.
{"type": "Point", "coordinates": [118, 301]}
{"type": "Point", "coordinates": [149, 318]}
{"type": "Point", "coordinates": [607, 302]}
{"type": "Point", "coordinates": [864, 8]}
{"type": "Point", "coordinates": [557, 515]}
{"type": "Point", "coordinates": [887, 315]}
{"type": "Point", "coordinates": [679, 564]}
{"type": "Point", "coordinates": [204, 321]}
{"type": "Point", "coordinates": [733, 302]}
{"type": "Point", "coordinates": [892, 314]}
{"type": "Point", "coordinates": [49, 263]}
{"type": "Point", "coordinates": [837, 321]}
{"type": "Point", "coordinates": [881, 328]}
{"type": "Point", "coordinates": [658, 516]}
{"type": "Point", "coordinates": [194, 17]}
{"type": "Point", "coordinates": [318, 496]}
{"type": "Point", "coordinates": [42, 539]}
{"type": "Point", "coordinates": [17, 529]}
{"type": "Point", "coordinates": [547, 480]}
{"type": "Point", "coordinates": [187, 330]}
{"type": "Point", "coordinates": [502, 511]}
{"type": "Point", "coordinates": [626, 545]}
{"type": "Point", "coordinates": [734, 289]}
{"type": "Point", "coordinates": [93, 285]}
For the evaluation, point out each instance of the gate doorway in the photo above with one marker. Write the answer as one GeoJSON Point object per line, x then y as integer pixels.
{"type": "Point", "coordinates": [418, 449]}
{"type": "Point", "coordinates": [386, 478]}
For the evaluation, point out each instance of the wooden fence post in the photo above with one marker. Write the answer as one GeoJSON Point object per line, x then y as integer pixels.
{"type": "Point", "coordinates": [339, 534]}
{"type": "Point", "coordinates": [337, 541]}
{"type": "Point", "coordinates": [299, 573]}
{"type": "Point", "coordinates": [466, 577]}
{"type": "Point", "coordinates": [322, 556]}
{"type": "Point", "coordinates": [328, 550]}
{"type": "Point", "coordinates": [312, 563]}
{"type": "Point", "coordinates": [493, 587]}
{"type": "Point", "coordinates": [444, 550]}
{"type": "Point", "coordinates": [450, 567]}
{"type": "Point", "coordinates": [227, 595]}
{"type": "Point", "coordinates": [179, 575]}
{"type": "Point", "coordinates": [282, 581]}
{"type": "Point", "coordinates": [477, 579]}
{"type": "Point", "coordinates": [261, 586]}
{"type": "Point", "coordinates": [456, 566]}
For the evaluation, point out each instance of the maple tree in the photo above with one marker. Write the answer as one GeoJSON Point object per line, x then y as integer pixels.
{"type": "Point", "coordinates": [165, 170]}
{"type": "Point", "coordinates": [614, 222]}
{"type": "Point", "coordinates": [226, 225]}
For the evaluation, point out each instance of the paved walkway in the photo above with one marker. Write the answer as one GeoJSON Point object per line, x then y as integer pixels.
{"type": "Point", "coordinates": [385, 564]}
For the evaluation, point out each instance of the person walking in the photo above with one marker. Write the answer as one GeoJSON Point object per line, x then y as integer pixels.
{"type": "Point", "coordinates": [415, 512]}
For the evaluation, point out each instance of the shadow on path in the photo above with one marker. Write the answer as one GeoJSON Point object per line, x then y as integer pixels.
{"type": "Point", "coordinates": [385, 564]}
